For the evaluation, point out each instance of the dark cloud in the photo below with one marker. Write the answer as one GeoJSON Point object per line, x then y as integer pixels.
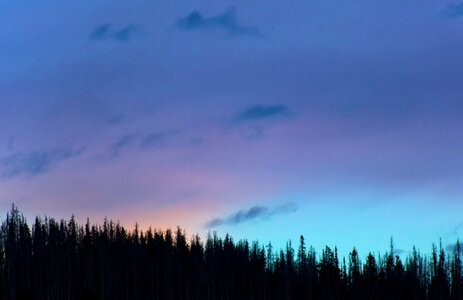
{"type": "Point", "coordinates": [125, 34]}
{"type": "Point", "coordinates": [34, 163]}
{"type": "Point", "coordinates": [251, 214]}
{"type": "Point", "coordinates": [105, 32]}
{"type": "Point", "coordinates": [453, 10]}
{"type": "Point", "coordinates": [123, 142]}
{"type": "Point", "coordinates": [146, 141]}
{"type": "Point", "coordinates": [101, 32]}
{"type": "Point", "coordinates": [156, 139]}
{"type": "Point", "coordinates": [226, 21]}
{"type": "Point", "coordinates": [257, 112]}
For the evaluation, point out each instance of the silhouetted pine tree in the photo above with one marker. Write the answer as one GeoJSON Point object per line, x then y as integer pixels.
{"type": "Point", "coordinates": [62, 260]}
{"type": "Point", "coordinates": [456, 276]}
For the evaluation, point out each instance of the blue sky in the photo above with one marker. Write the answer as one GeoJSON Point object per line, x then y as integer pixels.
{"type": "Point", "coordinates": [337, 120]}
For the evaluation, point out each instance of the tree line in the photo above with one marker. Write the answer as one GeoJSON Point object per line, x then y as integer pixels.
{"type": "Point", "coordinates": [63, 260]}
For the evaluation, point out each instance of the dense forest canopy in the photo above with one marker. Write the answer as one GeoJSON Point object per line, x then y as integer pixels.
{"type": "Point", "coordinates": [63, 260]}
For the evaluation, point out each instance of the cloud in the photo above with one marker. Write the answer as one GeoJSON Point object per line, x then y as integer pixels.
{"type": "Point", "coordinates": [105, 32]}
{"type": "Point", "coordinates": [257, 112]}
{"type": "Point", "coordinates": [123, 142]}
{"type": "Point", "coordinates": [151, 140]}
{"type": "Point", "coordinates": [226, 21]}
{"type": "Point", "coordinates": [156, 139]}
{"type": "Point", "coordinates": [453, 10]}
{"type": "Point", "coordinates": [253, 213]}
{"type": "Point", "coordinates": [101, 32]}
{"type": "Point", "coordinates": [34, 163]}
{"type": "Point", "coordinates": [125, 34]}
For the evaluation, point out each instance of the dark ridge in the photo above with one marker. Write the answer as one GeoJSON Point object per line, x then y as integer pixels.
{"type": "Point", "coordinates": [62, 260]}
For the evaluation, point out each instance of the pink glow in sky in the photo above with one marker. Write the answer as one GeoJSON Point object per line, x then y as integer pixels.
{"type": "Point", "coordinates": [343, 111]}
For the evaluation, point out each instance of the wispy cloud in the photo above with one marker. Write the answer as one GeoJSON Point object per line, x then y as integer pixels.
{"type": "Point", "coordinates": [126, 33]}
{"type": "Point", "coordinates": [101, 32]}
{"type": "Point", "coordinates": [226, 21]}
{"type": "Point", "coordinates": [124, 142]}
{"type": "Point", "coordinates": [257, 112]}
{"type": "Point", "coordinates": [143, 141]}
{"type": "Point", "coordinates": [156, 139]}
{"type": "Point", "coordinates": [106, 32]}
{"type": "Point", "coordinates": [253, 213]}
{"type": "Point", "coordinates": [34, 163]}
{"type": "Point", "coordinates": [453, 10]}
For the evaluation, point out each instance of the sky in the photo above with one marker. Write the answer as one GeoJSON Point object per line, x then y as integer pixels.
{"type": "Point", "coordinates": [338, 120]}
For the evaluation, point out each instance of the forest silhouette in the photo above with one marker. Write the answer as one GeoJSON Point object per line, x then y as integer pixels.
{"type": "Point", "coordinates": [63, 260]}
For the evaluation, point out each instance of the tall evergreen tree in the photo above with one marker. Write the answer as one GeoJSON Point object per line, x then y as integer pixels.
{"type": "Point", "coordinates": [63, 260]}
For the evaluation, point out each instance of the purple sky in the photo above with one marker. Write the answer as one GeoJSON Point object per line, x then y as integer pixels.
{"type": "Point", "coordinates": [339, 120]}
